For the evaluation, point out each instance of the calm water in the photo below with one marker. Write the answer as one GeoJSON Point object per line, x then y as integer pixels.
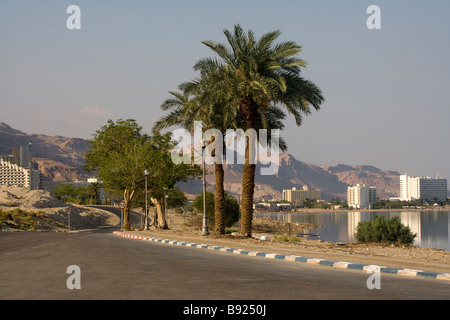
{"type": "Point", "coordinates": [432, 227]}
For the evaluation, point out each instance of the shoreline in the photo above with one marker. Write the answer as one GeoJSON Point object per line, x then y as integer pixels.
{"type": "Point", "coordinates": [188, 228]}
{"type": "Point", "coordinates": [314, 210]}
{"type": "Point", "coordinates": [336, 233]}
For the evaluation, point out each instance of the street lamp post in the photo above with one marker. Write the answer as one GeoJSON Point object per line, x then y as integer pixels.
{"type": "Point", "coordinates": [146, 206]}
{"type": "Point", "coordinates": [205, 230]}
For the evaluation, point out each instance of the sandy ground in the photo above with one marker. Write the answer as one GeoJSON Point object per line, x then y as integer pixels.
{"type": "Point", "coordinates": [188, 228]}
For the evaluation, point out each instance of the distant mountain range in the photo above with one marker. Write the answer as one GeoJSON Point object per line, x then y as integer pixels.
{"type": "Point", "coordinates": [61, 159]}
{"type": "Point", "coordinates": [331, 180]}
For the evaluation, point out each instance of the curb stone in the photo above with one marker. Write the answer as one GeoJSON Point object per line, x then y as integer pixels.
{"type": "Point", "coordinates": [295, 258]}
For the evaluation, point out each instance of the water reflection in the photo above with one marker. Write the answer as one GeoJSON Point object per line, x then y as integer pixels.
{"type": "Point", "coordinates": [431, 227]}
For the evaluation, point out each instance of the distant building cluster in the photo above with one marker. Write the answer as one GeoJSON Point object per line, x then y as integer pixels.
{"type": "Point", "coordinates": [291, 198]}
{"type": "Point", "coordinates": [297, 196]}
{"type": "Point", "coordinates": [89, 181]}
{"type": "Point", "coordinates": [425, 188]}
{"type": "Point", "coordinates": [361, 196]}
{"type": "Point", "coordinates": [272, 207]}
{"type": "Point", "coordinates": [16, 169]}
{"type": "Point", "coordinates": [411, 188]}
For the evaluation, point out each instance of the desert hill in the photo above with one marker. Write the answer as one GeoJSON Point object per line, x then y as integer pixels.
{"type": "Point", "coordinates": [387, 182]}
{"type": "Point", "coordinates": [61, 159]}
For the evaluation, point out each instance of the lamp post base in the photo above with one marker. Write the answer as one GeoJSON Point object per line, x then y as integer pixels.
{"type": "Point", "coordinates": [205, 231]}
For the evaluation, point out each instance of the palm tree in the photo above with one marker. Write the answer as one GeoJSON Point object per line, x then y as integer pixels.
{"type": "Point", "coordinates": [190, 104]}
{"type": "Point", "coordinates": [186, 109]}
{"type": "Point", "coordinates": [256, 75]}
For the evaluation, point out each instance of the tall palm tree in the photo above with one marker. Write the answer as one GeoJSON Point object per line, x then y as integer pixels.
{"type": "Point", "coordinates": [185, 110]}
{"type": "Point", "coordinates": [191, 104]}
{"type": "Point", "coordinates": [255, 75]}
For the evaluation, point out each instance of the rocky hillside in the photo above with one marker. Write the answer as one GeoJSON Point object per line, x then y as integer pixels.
{"type": "Point", "coordinates": [61, 159]}
{"type": "Point", "coordinates": [387, 182]}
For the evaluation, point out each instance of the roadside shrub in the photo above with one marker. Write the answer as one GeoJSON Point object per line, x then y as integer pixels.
{"type": "Point", "coordinates": [16, 219]}
{"type": "Point", "coordinates": [286, 238]}
{"type": "Point", "coordinates": [385, 231]}
{"type": "Point", "coordinates": [283, 238]}
{"type": "Point", "coordinates": [18, 213]}
{"type": "Point", "coordinates": [37, 214]}
{"type": "Point", "coordinates": [229, 230]}
{"type": "Point", "coordinates": [231, 208]}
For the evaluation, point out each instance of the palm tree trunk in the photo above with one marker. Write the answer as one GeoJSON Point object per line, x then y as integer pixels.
{"type": "Point", "coordinates": [249, 109]}
{"type": "Point", "coordinates": [219, 199]}
{"type": "Point", "coordinates": [248, 188]}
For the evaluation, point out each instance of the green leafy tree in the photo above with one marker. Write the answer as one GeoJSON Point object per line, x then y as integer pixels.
{"type": "Point", "coordinates": [116, 153]}
{"type": "Point", "coordinates": [252, 76]}
{"type": "Point", "coordinates": [308, 203]}
{"type": "Point", "coordinates": [197, 204]}
{"type": "Point", "coordinates": [164, 174]}
{"type": "Point", "coordinates": [335, 202]}
{"type": "Point", "coordinates": [64, 190]}
{"type": "Point", "coordinates": [176, 198]}
{"type": "Point", "coordinates": [231, 208]}
{"type": "Point", "coordinates": [94, 189]}
{"type": "Point", "coordinates": [84, 194]}
{"type": "Point", "coordinates": [384, 230]}
{"type": "Point", "coordinates": [120, 152]}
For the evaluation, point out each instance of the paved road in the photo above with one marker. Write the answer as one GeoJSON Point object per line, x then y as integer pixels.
{"type": "Point", "coordinates": [34, 265]}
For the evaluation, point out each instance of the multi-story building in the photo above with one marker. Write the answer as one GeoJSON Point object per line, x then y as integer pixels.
{"type": "Point", "coordinates": [297, 196]}
{"type": "Point", "coordinates": [425, 188]}
{"type": "Point", "coordinates": [16, 170]}
{"type": "Point", "coordinates": [361, 196]}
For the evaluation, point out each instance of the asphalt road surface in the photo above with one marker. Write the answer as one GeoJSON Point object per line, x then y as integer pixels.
{"type": "Point", "coordinates": [34, 266]}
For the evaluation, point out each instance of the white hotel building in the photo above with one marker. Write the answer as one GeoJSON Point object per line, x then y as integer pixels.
{"type": "Point", "coordinates": [14, 175]}
{"type": "Point", "coordinates": [424, 188]}
{"type": "Point", "coordinates": [297, 196]}
{"type": "Point", "coordinates": [16, 170]}
{"type": "Point", "coordinates": [361, 196]}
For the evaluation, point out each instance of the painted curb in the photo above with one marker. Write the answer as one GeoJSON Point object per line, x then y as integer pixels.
{"type": "Point", "coordinates": [288, 257]}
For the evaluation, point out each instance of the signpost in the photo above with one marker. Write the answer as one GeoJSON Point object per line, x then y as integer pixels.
{"type": "Point", "coordinates": [122, 206]}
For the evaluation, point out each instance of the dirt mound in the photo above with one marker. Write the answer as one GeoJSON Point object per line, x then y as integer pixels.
{"type": "Point", "coordinates": [24, 198]}
{"type": "Point", "coordinates": [41, 199]}
{"type": "Point", "coordinates": [39, 210]}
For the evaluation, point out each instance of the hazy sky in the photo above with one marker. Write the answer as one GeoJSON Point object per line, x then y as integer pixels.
{"type": "Point", "coordinates": [387, 91]}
